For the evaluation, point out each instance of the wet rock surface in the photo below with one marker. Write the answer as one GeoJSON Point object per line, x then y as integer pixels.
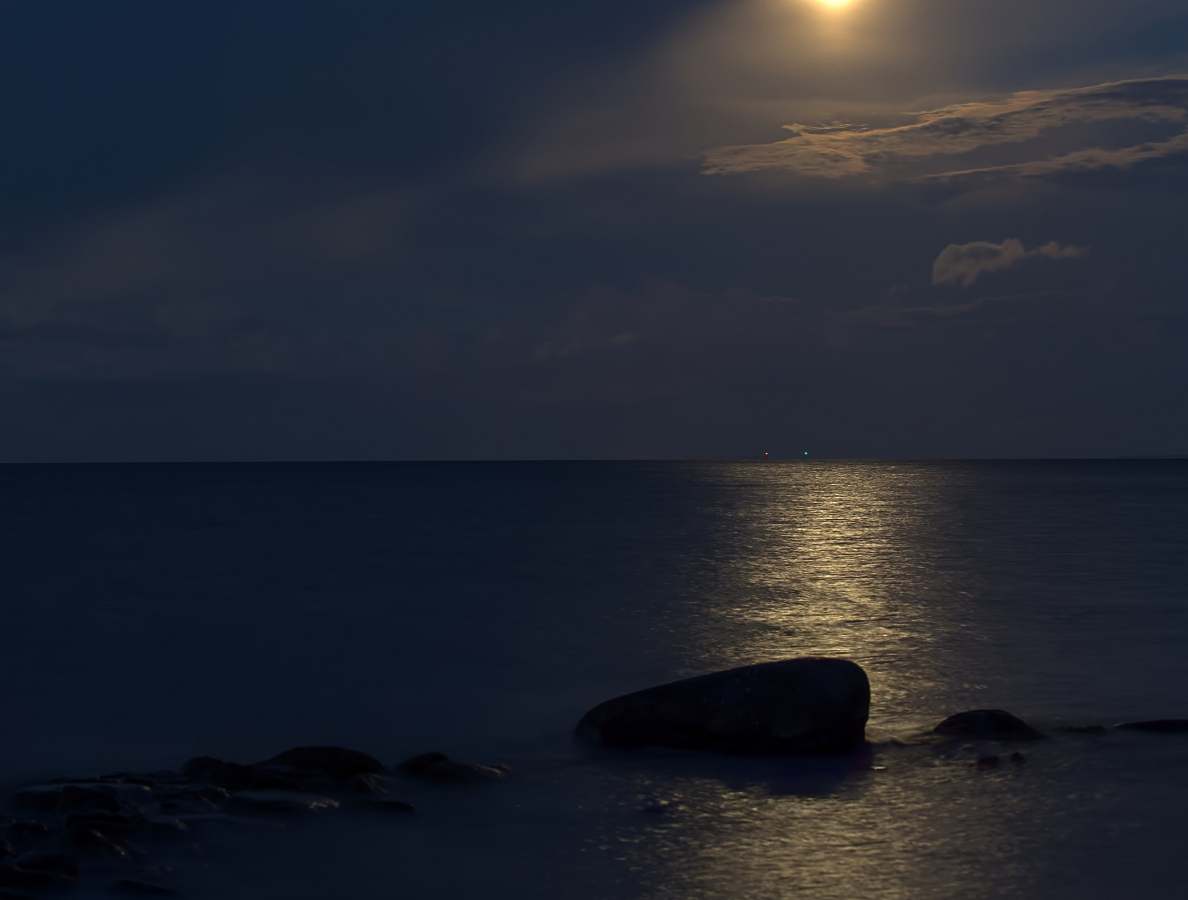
{"type": "Point", "coordinates": [434, 766]}
{"type": "Point", "coordinates": [111, 827]}
{"type": "Point", "coordinates": [1157, 726]}
{"type": "Point", "coordinates": [796, 706]}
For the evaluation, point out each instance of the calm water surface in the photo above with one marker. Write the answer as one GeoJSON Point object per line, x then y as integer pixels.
{"type": "Point", "coordinates": [158, 612]}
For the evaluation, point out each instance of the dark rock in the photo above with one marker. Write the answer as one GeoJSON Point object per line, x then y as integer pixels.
{"type": "Point", "coordinates": [435, 766]}
{"type": "Point", "coordinates": [337, 762]}
{"type": "Point", "coordinates": [60, 864]}
{"type": "Point", "coordinates": [28, 830]}
{"type": "Point", "coordinates": [162, 826]}
{"type": "Point", "coordinates": [280, 803]}
{"type": "Point", "coordinates": [38, 798]}
{"type": "Point", "coordinates": [208, 770]}
{"type": "Point", "coordinates": [422, 761]}
{"type": "Point", "coordinates": [373, 784]}
{"type": "Point", "coordinates": [25, 879]}
{"type": "Point", "coordinates": [129, 887]}
{"type": "Point", "coordinates": [1157, 726]}
{"type": "Point", "coordinates": [1082, 729]}
{"type": "Point", "coordinates": [90, 796]}
{"type": "Point", "coordinates": [199, 767]}
{"type": "Point", "coordinates": [112, 825]}
{"type": "Point", "coordinates": [192, 799]}
{"type": "Point", "coordinates": [792, 706]}
{"type": "Point", "coordinates": [987, 724]}
{"type": "Point", "coordinates": [95, 843]}
{"type": "Point", "coordinates": [381, 804]}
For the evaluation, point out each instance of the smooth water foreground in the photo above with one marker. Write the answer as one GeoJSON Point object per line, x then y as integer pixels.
{"type": "Point", "coordinates": [152, 613]}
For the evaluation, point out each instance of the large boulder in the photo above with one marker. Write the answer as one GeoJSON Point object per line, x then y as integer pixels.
{"type": "Point", "coordinates": [795, 706]}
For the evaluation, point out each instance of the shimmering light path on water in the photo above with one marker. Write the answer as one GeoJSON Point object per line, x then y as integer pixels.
{"type": "Point", "coordinates": [155, 613]}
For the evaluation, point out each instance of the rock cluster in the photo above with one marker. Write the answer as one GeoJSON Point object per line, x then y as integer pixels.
{"type": "Point", "coordinates": [105, 826]}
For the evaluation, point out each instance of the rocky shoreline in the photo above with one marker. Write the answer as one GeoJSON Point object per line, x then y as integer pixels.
{"type": "Point", "coordinates": [117, 828]}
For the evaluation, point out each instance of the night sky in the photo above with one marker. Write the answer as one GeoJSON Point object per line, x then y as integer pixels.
{"type": "Point", "coordinates": [283, 229]}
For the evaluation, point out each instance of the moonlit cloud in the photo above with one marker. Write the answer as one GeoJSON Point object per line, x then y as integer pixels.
{"type": "Point", "coordinates": [937, 139]}
{"type": "Point", "coordinates": [964, 263]}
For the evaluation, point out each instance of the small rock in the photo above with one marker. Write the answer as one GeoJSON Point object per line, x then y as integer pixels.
{"type": "Point", "coordinates": [208, 770]}
{"type": "Point", "coordinates": [163, 826]}
{"type": "Point", "coordinates": [60, 864]}
{"type": "Point", "coordinates": [1157, 726]}
{"type": "Point", "coordinates": [382, 804]}
{"type": "Point", "coordinates": [26, 879]}
{"type": "Point", "coordinates": [337, 762]}
{"type": "Point", "coordinates": [373, 784]}
{"type": "Point", "coordinates": [435, 766]}
{"type": "Point", "coordinates": [110, 825]}
{"type": "Point", "coordinates": [28, 830]}
{"type": "Point", "coordinates": [95, 843]}
{"type": "Point", "coordinates": [988, 724]}
{"type": "Point", "coordinates": [280, 803]}
{"type": "Point", "coordinates": [129, 887]}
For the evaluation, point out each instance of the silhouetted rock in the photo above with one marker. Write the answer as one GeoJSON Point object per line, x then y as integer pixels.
{"type": "Point", "coordinates": [793, 706]}
{"type": "Point", "coordinates": [280, 803]}
{"type": "Point", "coordinates": [337, 762]}
{"type": "Point", "coordinates": [60, 864]}
{"type": "Point", "coordinates": [111, 825]}
{"type": "Point", "coordinates": [131, 888]}
{"type": "Point", "coordinates": [1157, 726]}
{"type": "Point", "coordinates": [25, 879]}
{"type": "Point", "coordinates": [435, 766]}
{"type": "Point", "coordinates": [988, 724]}
{"type": "Point", "coordinates": [208, 770]}
{"type": "Point", "coordinates": [373, 784]}
{"type": "Point", "coordinates": [94, 843]}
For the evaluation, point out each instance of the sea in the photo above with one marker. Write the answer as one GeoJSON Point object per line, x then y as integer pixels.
{"type": "Point", "coordinates": [151, 613]}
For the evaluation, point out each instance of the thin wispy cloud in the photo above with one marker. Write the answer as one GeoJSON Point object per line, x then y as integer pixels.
{"type": "Point", "coordinates": [936, 139]}
{"type": "Point", "coordinates": [964, 263]}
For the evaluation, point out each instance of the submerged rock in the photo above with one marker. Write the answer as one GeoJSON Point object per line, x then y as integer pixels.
{"type": "Point", "coordinates": [280, 803]}
{"type": "Point", "coordinates": [132, 888]}
{"type": "Point", "coordinates": [337, 762]}
{"type": "Point", "coordinates": [1157, 726]}
{"type": "Point", "coordinates": [436, 766]}
{"type": "Point", "coordinates": [793, 706]}
{"type": "Point", "coordinates": [988, 724]}
{"type": "Point", "coordinates": [61, 864]}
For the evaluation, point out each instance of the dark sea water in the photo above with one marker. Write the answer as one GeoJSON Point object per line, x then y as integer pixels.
{"type": "Point", "coordinates": [152, 613]}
